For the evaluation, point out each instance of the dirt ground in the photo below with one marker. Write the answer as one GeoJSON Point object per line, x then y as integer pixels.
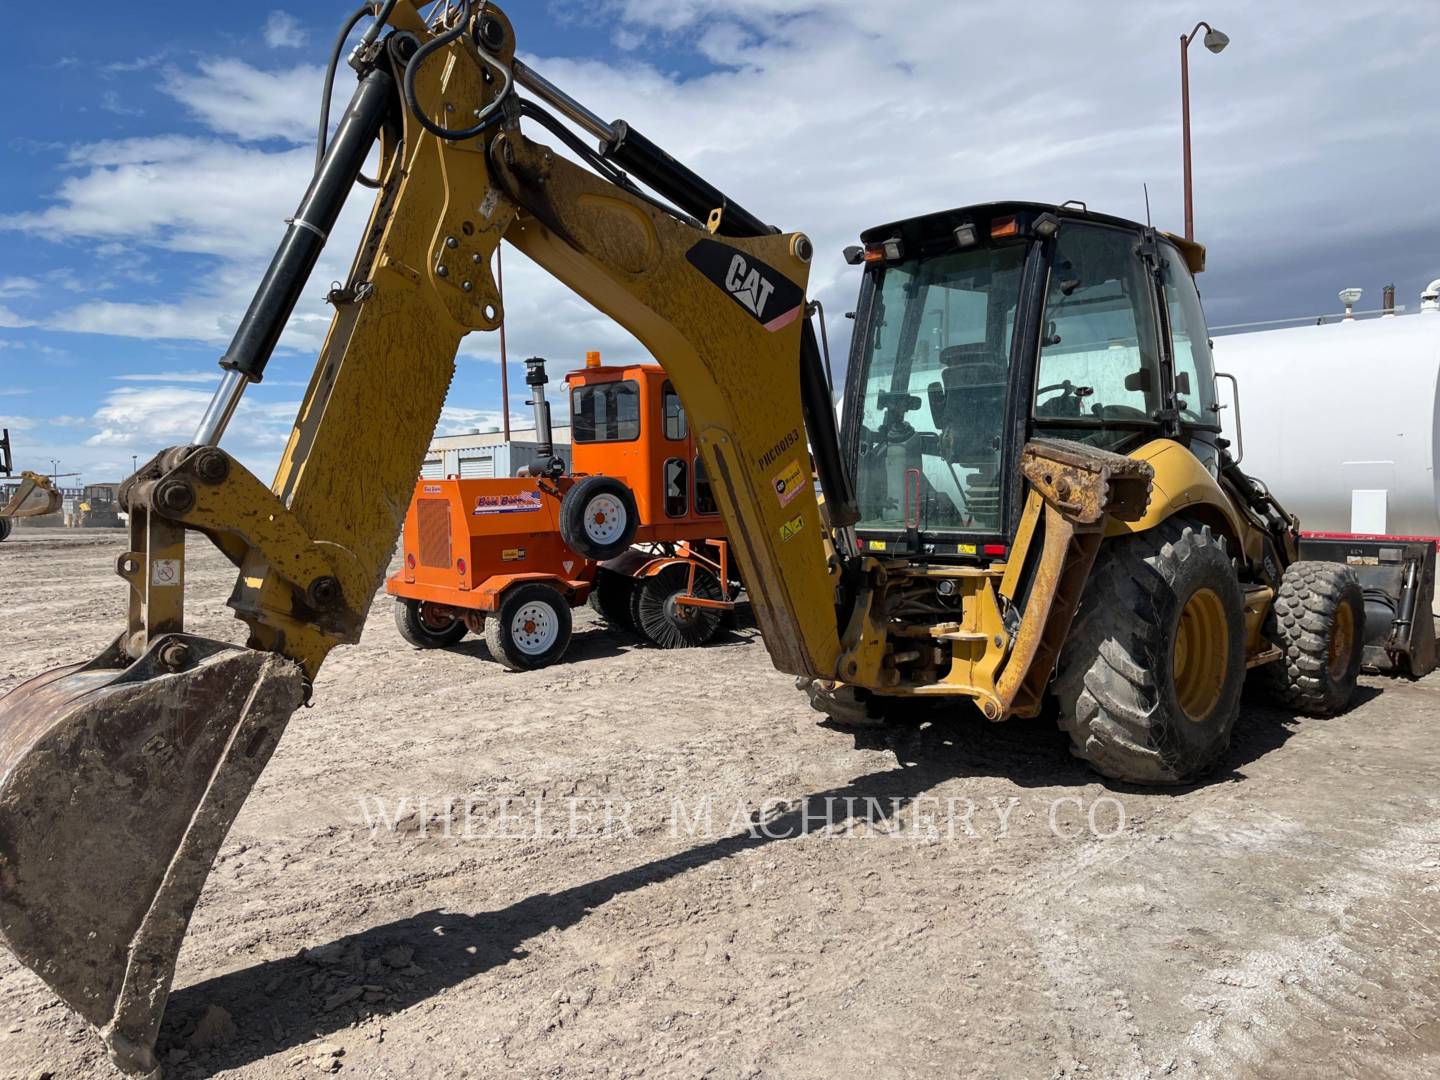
{"type": "Point", "coordinates": [958, 900]}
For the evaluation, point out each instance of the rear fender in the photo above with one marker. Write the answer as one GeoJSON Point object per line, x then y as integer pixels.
{"type": "Point", "coordinates": [1183, 485]}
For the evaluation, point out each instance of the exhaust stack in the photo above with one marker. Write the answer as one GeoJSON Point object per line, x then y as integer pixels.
{"type": "Point", "coordinates": [546, 463]}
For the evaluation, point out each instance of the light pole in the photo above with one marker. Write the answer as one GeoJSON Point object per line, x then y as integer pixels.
{"type": "Point", "coordinates": [1215, 41]}
{"type": "Point", "coordinates": [134, 467]}
{"type": "Point", "coordinates": [54, 469]}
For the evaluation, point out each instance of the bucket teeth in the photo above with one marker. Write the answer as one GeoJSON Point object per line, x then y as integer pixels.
{"type": "Point", "coordinates": [118, 783]}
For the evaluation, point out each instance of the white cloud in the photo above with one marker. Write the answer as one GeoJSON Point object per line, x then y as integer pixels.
{"type": "Point", "coordinates": [112, 102]}
{"type": "Point", "coordinates": [233, 98]}
{"type": "Point", "coordinates": [18, 286]}
{"type": "Point", "coordinates": [283, 31]}
{"type": "Point", "coordinates": [11, 321]}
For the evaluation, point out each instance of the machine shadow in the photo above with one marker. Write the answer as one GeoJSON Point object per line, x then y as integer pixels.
{"type": "Point", "coordinates": [281, 1004]}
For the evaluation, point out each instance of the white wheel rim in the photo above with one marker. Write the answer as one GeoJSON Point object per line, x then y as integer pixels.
{"type": "Point", "coordinates": [535, 628]}
{"type": "Point", "coordinates": [604, 519]}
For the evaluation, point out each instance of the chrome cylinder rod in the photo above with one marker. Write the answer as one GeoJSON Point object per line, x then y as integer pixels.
{"type": "Point", "coordinates": [548, 92]}
{"type": "Point", "coordinates": [222, 407]}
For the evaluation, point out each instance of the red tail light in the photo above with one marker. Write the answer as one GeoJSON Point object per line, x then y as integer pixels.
{"type": "Point", "coordinates": [460, 566]}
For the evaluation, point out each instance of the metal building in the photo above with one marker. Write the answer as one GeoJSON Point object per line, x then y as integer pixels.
{"type": "Point", "coordinates": [481, 455]}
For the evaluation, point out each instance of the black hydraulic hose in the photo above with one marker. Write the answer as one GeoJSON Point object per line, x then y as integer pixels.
{"type": "Point", "coordinates": [345, 31]}
{"type": "Point", "coordinates": [413, 99]}
{"type": "Point", "coordinates": [583, 151]}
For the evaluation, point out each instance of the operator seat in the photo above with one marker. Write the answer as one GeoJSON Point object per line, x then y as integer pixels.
{"type": "Point", "coordinates": [968, 404]}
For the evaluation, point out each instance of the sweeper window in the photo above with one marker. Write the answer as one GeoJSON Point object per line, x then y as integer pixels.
{"type": "Point", "coordinates": [605, 412]}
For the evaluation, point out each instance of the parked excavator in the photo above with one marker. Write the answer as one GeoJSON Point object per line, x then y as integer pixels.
{"type": "Point", "coordinates": [1030, 500]}
{"type": "Point", "coordinates": [36, 495]}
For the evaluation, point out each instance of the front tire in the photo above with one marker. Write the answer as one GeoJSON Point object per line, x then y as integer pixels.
{"type": "Point", "coordinates": [1149, 681]}
{"type": "Point", "coordinates": [1318, 624]}
{"type": "Point", "coordinates": [5, 526]}
{"type": "Point", "coordinates": [532, 628]}
{"type": "Point", "coordinates": [427, 626]}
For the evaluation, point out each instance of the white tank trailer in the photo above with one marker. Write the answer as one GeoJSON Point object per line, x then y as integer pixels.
{"type": "Point", "coordinates": [1341, 422]}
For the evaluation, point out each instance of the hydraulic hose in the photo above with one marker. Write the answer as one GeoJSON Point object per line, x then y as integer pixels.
{"type": "Point", "coordinates": [345, 31]}
{"type": "Point", "coordinates": [489, 116]}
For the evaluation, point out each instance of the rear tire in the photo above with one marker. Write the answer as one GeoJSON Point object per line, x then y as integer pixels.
{"type": "Point", "coordinates": [1149, 681]}
{"type": "Point", "coordinates": [1318, 623]}
{"type": "Point", "coordinates": [425, 626]}
{"type": "Point", "coordinates": [532, 628]}
{"type": "Point", "coordinates": [598, 518]}
{"type": "Point", "coordinates": [5, 526]}
{"type": "Point", "coordinates": [655, 613]}
{"type": "Point", "coordinates": [610, 598]}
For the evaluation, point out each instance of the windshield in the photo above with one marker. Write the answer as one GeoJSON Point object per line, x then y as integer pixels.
{"type": "Point", "coordinates": [935, 382]}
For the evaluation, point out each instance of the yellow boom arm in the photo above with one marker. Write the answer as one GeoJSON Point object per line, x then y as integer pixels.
{"type": "Point", "coordinates": [120, 777]}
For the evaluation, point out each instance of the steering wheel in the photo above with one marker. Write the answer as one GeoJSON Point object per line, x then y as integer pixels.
{"type": "Point", "coordinates": [1067, 404]}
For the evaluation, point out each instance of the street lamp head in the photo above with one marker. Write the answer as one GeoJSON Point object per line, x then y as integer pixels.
{"type": "Point", "coordinates": [1215, 41]}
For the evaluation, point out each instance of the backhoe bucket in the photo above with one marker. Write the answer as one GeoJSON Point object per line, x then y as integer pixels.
{"type": "Point", "coordinates": [35, 497]}
{"type": "Point", "coordinates": [118, 783]}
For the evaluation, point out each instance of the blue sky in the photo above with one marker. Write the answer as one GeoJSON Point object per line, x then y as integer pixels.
{"type": "Point", "coordinates": [148, 160]}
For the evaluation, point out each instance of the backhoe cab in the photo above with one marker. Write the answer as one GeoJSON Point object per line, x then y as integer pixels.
{"type": "Point", "coordinates": [1029, 426]}
{"type": "Point", "coordinates": [1045, 508]}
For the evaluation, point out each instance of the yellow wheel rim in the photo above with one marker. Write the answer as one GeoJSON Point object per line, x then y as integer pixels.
{"type": "Point", "coordinates": [1342, 643]}
{"type": "Point", "coordinates": [1202, 653]}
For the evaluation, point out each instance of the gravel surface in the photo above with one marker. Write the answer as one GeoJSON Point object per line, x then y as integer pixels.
{"type": "Point", "coordinates": [453, 871]}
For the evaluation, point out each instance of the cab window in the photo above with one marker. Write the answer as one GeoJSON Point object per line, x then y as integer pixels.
{"type": "Point", "coordinates": [605, 412]}
{"type": "Point", "coordinates": [1194, 365]}
{"type": "Point", "coordinates": [673, 412]}
{"type": "Point", "coordinates": [1099, 349]}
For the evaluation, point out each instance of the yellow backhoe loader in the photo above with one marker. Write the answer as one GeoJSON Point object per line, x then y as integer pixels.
{"type": "Point", "coordinates": [1030, 500]}
{"type": "Point", "coordinates": [36, 495]}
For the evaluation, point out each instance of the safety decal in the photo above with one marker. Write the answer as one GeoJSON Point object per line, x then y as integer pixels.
{"type": "Point", "coordinates": [432, 489]}
{"type": "Point", "coordinates": [771, 298]}
{"type": "Point", "coordinates": [877, 545]}
{"type": "Point", "coordinates": [516, 502]}
{"type": "Point", "coordinates": [164, 571]}
{"type": "Point", "coordinates": [789, 482]}
{"type": "Point", "coordinates": [512, 555]}
{"type": "Point", "coordinates": [966, 549]}
{"type": "Point", "coordinates": [791, 527]}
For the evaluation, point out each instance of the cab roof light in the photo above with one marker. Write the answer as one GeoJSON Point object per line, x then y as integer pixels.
{"type": "Point", "coordinates": [1045, 226]}
{"type": "Point", "coordinates": [874, 253]}
{"type": "Point", "coordinates": [894, 250]}
{"type": "Point", "coordinates": [966, 235]}
{"type": "Point", "coordinates": [1005, 226]}
{"type": "Point", "coordinates": [592, 359]}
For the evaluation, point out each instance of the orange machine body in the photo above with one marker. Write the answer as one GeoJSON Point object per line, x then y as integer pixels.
{"type": "Point", "coordinates": [466, 542]}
